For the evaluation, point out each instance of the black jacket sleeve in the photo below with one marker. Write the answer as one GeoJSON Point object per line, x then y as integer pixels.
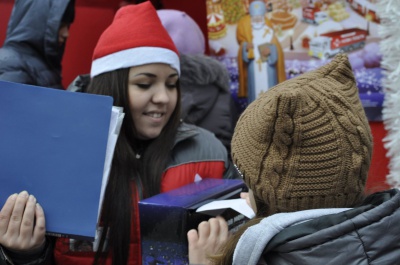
{"type": "Point", "coordinates": [41, 257]}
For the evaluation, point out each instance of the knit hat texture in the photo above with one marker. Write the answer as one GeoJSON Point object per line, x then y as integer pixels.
{"type": "Point", "coordinates": [184, 31]}
{"type": "Point", "coordinates": [135, 37]}
{"type": "Point", "coordinates": [306, 143]}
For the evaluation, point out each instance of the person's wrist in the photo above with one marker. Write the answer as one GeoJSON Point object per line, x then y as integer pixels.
{"type": "Point", "coordinates": [12, 256]}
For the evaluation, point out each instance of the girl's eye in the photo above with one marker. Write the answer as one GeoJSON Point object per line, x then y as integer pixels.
{"type": "Point", "coordinates": [171, 86]}
{"type": "Point", "coordinates": [144, 86]}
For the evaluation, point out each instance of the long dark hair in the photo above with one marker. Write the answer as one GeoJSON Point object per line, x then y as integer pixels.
{"type": "Point", "coordinates": [130, 178]}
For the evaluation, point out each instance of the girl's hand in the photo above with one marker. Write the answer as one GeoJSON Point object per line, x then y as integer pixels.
{"type": "Point", "coordinates": [207, 240]}
{"type": "Point", "coordinates": [22, 223]}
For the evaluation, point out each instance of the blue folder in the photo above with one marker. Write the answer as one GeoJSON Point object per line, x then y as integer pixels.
{"type": "Point", "coordinates": [53, 145]}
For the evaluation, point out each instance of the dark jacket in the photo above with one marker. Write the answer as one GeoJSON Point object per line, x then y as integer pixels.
{"type": "Point", "coordinates": [206, 97]}
{"type": "Point", "coordinates": [31, 53]}
{"type": "Point", "coordinates": [369, 234]}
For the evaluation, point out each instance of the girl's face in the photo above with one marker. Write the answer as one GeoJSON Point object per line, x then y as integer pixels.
{"type": "Point", "coordinates": [153, 94]}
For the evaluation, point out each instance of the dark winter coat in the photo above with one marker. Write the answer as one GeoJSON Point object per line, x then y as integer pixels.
{"type": "Point", "coordinates": [31, 53]}
{"type": "Point", "coordinates": [206, 97]}
{"type": "Point", "coordinates": [369, 234]}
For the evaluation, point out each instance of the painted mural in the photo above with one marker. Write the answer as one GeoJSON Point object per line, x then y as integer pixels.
{"type": "Point", "coordinates": [264, 42]}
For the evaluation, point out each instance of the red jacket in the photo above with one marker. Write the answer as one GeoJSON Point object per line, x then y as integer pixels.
{"type": "Point", "coordinates": [196, 152]}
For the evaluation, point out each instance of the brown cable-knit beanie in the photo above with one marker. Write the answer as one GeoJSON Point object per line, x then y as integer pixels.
{"type": "Point", "coordinates": [306, 143]}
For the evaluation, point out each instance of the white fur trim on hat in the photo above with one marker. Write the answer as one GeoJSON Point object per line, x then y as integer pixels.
{"type": "Point", "coordinates": [135, 57]}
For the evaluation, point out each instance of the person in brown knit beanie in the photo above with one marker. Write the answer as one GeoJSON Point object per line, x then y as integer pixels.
{"type": "Point", "coordinates": [304, 149]}
{"type": "Point", "coordinates": [306, 143]}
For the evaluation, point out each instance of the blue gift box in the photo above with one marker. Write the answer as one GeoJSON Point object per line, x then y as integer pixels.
{"type": "Point", "coordinates": [166, 218]}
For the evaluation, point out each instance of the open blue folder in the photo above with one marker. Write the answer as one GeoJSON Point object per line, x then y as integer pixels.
{"type": "Point", "coordinates": [53, 145]}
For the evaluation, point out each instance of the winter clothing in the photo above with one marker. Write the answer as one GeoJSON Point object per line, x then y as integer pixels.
{"type": "Point", "coordinates": [304, 148]}
{"type": "Point", "coordinates": [206, 99]}
{"type": "Point", "coordinates": [69, 13]}
{"type": "Point", "coordinates": [306, 143]}
{"type": "Point", "coordinates": [368, 234]}
{"type": "Point", "coordinates": [148, 41]}
{"type": "Point", "coordinates": [196, 151]}
{"type": "Point", "coordinates": [31, 53]}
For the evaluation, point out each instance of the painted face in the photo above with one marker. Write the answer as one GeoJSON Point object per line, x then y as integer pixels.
{"type": "Point", "coordinates": [257, 22]}
{"type": "Point", "coordinates": [63, 33]}
{"type": "Point", "coordinates": [153, 94]}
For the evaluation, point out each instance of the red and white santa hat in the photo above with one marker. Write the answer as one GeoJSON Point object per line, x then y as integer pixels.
{"type": "Point", "coordinates": [135, 37]}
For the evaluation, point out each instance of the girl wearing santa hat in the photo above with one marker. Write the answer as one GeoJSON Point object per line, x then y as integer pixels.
{"type": "Point", "coordinates": [136, 62]}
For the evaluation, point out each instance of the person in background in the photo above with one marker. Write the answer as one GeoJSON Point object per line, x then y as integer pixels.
{"type": "Point", "coordinates": [34, 46]}
{"type": "Point", "coordinates": [136, 62]}
{"type": "Point", "coordinates": [304, 149]}
{"type": "Point", "coordinates": [205, 83]}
